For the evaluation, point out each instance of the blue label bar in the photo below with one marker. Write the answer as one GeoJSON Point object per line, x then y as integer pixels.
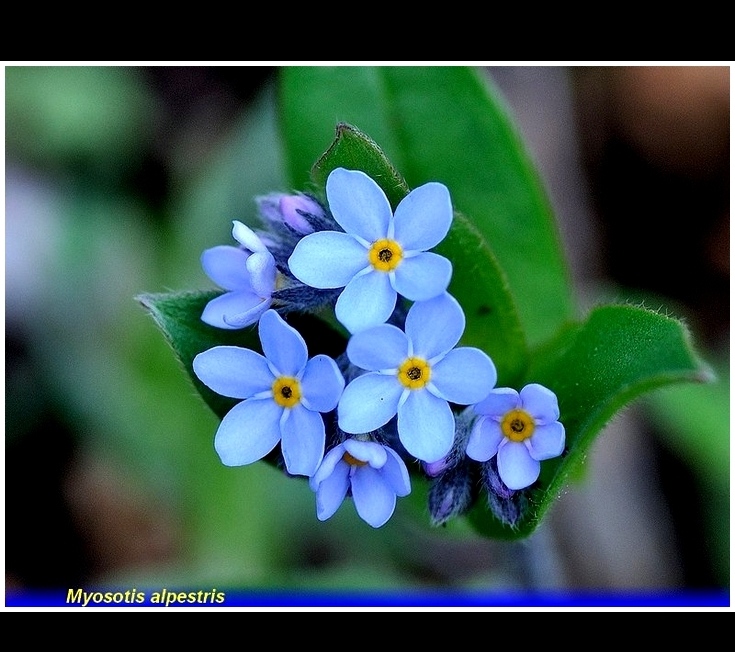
{"type": "Point", "coordinates": [163, 598]}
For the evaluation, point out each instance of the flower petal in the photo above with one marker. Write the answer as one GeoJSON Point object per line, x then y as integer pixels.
{"type": "Point", "coordinates": [248, 432]}
{"type": "Point", "coordinates": [498, 402]}
{"type": "Point", "coordinates": [422, 277]}
{"type": "Point", "coordinates": [464, 375]}
{"type": "Point", "coordinates": [540, 403]}
{"type": "Point", "coordinates": [322, 383]}
{"type": "Point", "coordinates": [332, 491]}
{"type": "Point", "coordinates": [358, 204]}
{"type": "Point", "coordinates": [282, 344]}
{"type": "Point", "coordinates": [233, 310]}
{"type": "Point", "coordinates": [247, 237]}
{"type": "Point", "coordinates": [547, 441]}
{"type": "Point", "coordinates": [227, 267]}
{"type": "Point", "coordinates": [367, 300]}
{"type": "Point", "coordinates": [516, 467]}
{"type": "Point", "coordinates": [233, 371]}
{"type": "Point", "coordinates": [426, 426]}
{"type": "Point", "coordinates": [367, 451]}
{"type": "Point", "coordinates": [327, 466]}
{"type": "Point", "coordinates": [262, 269]}
{"type": "Point", "coordinates": [302, 440]}
{"type": "Point", "coordinates": [381, 347]}
{"type": "Point", "coordinates": [435, 326]}
{"type": "Point", "coordinates": [423, 217]}
{"type": "Point", "coordinates": [327, 259]}
{"type": "Point", "coordinates": [484, 439]}
{"type": "Point", "coordinates": [368, 402]}
{"type": "Point", "coordinates": [395, 473]}
{"type": "Point", "coordinates": [374, 499]}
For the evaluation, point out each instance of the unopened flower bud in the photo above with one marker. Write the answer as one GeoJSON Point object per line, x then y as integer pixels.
{"type": "Point", "coordinates": [295, 208]}
{"type": "Point", "coordinates": [451, 494]}
{"type": "Point", "coordinates": [433, 469]}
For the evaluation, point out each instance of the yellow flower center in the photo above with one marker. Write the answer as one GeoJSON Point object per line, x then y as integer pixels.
{"type": "Point", "coordinates": [286, 391]}
{"type": "Point", "coordinates": [352, 461]}
{"type": "Point", "coordinates": [414, 373]}
{"type": "Point", "coordinates": [385, 255]}
{"type": "Point", "coordinates": [518, 425]}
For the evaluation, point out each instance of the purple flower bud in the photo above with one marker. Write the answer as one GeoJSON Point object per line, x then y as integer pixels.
{"type": "Point", "coordinates": [451, 495]}
{"type": "Point", "coordinates": [433, 469]}
{"type": "Point", "coordinates": [294, 207]}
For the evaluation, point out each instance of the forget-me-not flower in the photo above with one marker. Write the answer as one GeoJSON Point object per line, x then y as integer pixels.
{"type": "Point", "coordinates": [374, 474]}
{"type": "Point", "coordinates": [381, 254]}
{"type": "Point", "coordinates": [415, 374]}
{"type": "Point", "coordinates": [522, 428]}
{"type": "Point", "coordinates": [248, 274]}
{"type": "Point", "coordinates": [283, 394]}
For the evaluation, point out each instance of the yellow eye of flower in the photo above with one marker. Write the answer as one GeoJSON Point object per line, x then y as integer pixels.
{"type": "Point", "coordinates": [352, 461]}
{"type": "Point", "coordinates": [518, 425]}
{"type": "Point", "coordinates": [385, 255]}
{"type": "Point", "coordinates": [286, 391]}
{"type": "Point", "coordinates": [414, 373]}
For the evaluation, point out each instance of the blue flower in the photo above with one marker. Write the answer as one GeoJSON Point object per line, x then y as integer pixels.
{"type": "Point", "coordinates": [380, 255]}
{"type": "Point", "coordinates": [283, 393]}
{"type": "Point", "coordinates": [523, 429]}
{"type": "Point", "coordinates": [248, 273]}
{"type": "Point", "coordinates": [415, 375]}
{"type": "Point", "coordinates": [373, 473]}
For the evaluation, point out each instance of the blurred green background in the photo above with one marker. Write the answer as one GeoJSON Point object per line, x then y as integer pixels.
{"type": "Point", "coordinates": [117, 178]}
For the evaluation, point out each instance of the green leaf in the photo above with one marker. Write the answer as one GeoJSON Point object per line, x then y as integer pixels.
{"type": "Point", "coordinates": [596, 368]}
{"type": "Point", "coordinates": [446, 124]}
{"type": "Point", "coordinates": [477, 280]}
{"type": "Point", "coordinates": [178, 315]}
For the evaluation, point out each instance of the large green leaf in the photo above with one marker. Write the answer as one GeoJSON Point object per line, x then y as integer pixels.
{"type": "Point", "coordinates": [448, 124]}
{"type": "Point", "coordinates": [617, 354]}
{"type": "Point", "coordinates": [477, 281]}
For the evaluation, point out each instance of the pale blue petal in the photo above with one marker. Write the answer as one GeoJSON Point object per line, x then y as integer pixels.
{"type": "Point", "coordinates": [547, 441]}
{"type": "Point", "coordinates": [227, 267]}
{"type": "Point", "coordinates": [499, 402]}
{"type": "Point", "coordinates": [367, 300]}
{"type": "Point", "coordinates": [368, 402]}
{"type": "Point", "coordinates": [435, 326]}
{"type": "Point", "coordinates": [422, 277]}
{"type": "Point", "coordinates": [381, 347]}
{"type": "Point", "coordinates": [484, 440]}
{"type": "Point", "coordinates": [322, 384]}
{"type": "Point", "coordinates": [247, 237]}
{"type": "Point", "coordinates": [374, 499]}
{"type": "Point", "coordinates": [395, 474]}
{"type": "Point", "coordinates": [302, 440]}
{"type": "Point", "coordinates": [367, 451]}
{"type": "Point", "coordinates": [247, 317]}
{"type": "Point", "coordinates": [540, 403]}
{"type": "Point", "coordinates": [262, 269]}
{"type": "Point", "coordinates": [423, 217]}
{"type": "Point", "coordinates": [332, 491]}
{"type": "Point", "coordinates": [358, 204]}
{"type": "Point", "coordinates": [282, 344]}
{"type": "Point", "coordinates": [327, 259]}
{"type": "Point", "coordinates": [233, 310]}
{"type": "Point", "coordinates": [516, 467]}
{"type": "Point", "coordinates": [464, 375]}
{"type": "Point", "coordinates": [248, 432]}
{"type": "Point", "coordinates": [327, 466]}
{"type": "Point", "coordinates": [233, 371]}
{"type": "Point", "coordinates": [426, 426]}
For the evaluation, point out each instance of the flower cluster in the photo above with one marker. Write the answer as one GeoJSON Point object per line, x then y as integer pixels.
{"type": "Point", "coordinates": [403, 391]}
